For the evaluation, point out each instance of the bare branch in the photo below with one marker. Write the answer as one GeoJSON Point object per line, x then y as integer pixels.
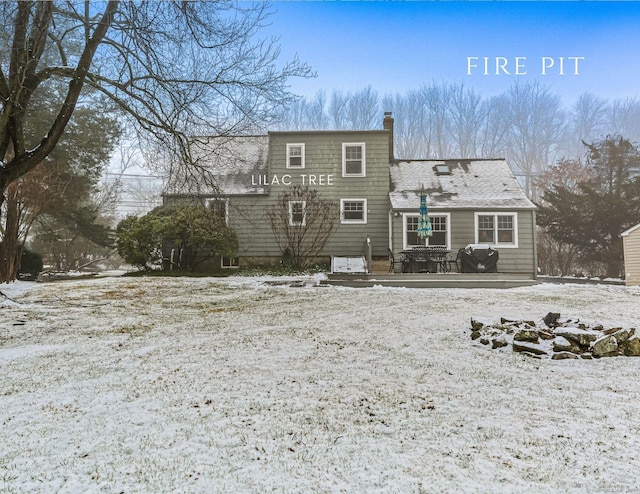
{"type": "Point", "coordinates": [176, 68]}
{"type": "Point", "coordinates": [302, 233]}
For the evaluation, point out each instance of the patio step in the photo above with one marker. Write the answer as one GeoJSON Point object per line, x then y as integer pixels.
{"type": "Point", "coordinates": [432, 280]}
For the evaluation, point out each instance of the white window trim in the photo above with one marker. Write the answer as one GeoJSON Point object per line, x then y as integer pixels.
{"type": "Point", "coordinates": [302, 165]}
{"type": "Point", "coordinates": [514, 215]}
{"type": "Point", "coordinates": [447, 217]}
{"type": "Point", "coordinates": [363, 173]}
{"type": "Point", "coordinates": [304, 213]}
{"type": "Point", "coordinates": [344, 221]}
{"type": "Point", "coordinates": [211, 200]}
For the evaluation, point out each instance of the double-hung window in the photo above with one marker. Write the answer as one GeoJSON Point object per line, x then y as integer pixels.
{"type": "Point", "coordinates": [500, 229]}
{"type": "Point", "coordinates": [354, 160]}
{"type": "Point", "coordinates": [297, 213]}
{"type": "Point", "coordinates": [353, 211]}
{"type": "Point", "coordinates": [295, 155]}
{"type": "Point", "coordinates": [439, 225]}
{"type": "Point", "coordinates": [219, 207]}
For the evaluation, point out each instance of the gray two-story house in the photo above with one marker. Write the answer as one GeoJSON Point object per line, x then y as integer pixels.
{"type": "Point", "coordinates": [471, 201]}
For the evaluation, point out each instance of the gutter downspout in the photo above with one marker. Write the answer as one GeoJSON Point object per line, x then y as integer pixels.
{"type": "Point", "coordinates": [367, 254]}
{"type": "Point", "coordinates": [535, 246]}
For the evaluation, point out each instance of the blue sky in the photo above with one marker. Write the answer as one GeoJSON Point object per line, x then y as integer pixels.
{"type": "Point", "coordinates": [397, 46]}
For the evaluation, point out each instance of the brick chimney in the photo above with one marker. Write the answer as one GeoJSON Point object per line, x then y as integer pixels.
{"type": "Point", "coordinates": [387, 124]}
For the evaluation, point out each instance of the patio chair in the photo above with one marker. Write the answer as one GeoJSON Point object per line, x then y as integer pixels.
{"type": "Point", "coordinates": [457, 262]}
{"type": "Point", "coordinates": [393, 261]}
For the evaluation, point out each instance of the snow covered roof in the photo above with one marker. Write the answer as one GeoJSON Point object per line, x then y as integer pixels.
{"type": "Point", "coordinates": [630, 230]}
{"type": "Point", "coordinates": [456, 184]}
{"type": "Point", "coordinates": [231, 161]}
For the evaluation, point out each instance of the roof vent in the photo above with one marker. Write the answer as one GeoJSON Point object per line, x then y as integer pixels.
{"type": "Point", "coordinates": [442, 169]}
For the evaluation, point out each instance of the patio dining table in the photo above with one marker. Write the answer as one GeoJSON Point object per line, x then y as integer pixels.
{"type": "Point", "coordinates": [428, 259]}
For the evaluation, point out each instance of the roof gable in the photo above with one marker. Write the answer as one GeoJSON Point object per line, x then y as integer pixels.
{"type": "Point", "coordinates": [628, 232]}
{"type": "Point", "coordinates": [463, 184]}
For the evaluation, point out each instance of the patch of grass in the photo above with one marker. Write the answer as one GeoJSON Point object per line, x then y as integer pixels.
{"type": "Point", "coordinates": [217, 310]}
{"type": "Point", "coordinates": [255, 271]}
{"type": "Point", "coordinates": [134, 293]}
{"type": "Point", "coordinates": [133, 329]}
{"type": "Point", "coordinates": [179, 274]}
{"type": "Point", "coordinates": [281, 271]}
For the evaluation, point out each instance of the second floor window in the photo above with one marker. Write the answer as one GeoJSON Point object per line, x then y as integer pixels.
{"type": "Point", "coordinates": [295, 155]}
{"type": "Point", "coordinates": [353, 160]}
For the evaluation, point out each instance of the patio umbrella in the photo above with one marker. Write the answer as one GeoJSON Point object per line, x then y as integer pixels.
{"type": "Point", "coordinates": [424, 223]}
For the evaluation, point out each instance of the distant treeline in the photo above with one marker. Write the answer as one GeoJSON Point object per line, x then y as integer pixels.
{"type": "Point", "coordinates": [527, 124]}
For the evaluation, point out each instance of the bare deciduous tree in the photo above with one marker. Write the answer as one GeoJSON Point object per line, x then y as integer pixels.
{"type": "Point", "coordinates": [495, 128]}
{"type": "Point", "coordinates": [408, 124]}
{"type": "Point", "coordinates": [624, 118]}
{"type": "Point", "coordinates": [363, 111]}
{"type": "Point", "coordinates": [176, 68]}
{"type": "Point", "coordinates": [466, 115]}
{"type": "Point", "coordinates": [337, 109]}
{"type": "Point", "coordinates": [526, 124]}
{"type": "Point", "coordinates": [296, 116]}
{"type": "Point", "coordinates": [302, 223]}
{"type": "Point", "coordinates": [536, 124]}
{"type": "Point", "coordinates": [26, 198]}
{"type": "Point", "coordinates": [315, 112]}
{"type": "Point", "coordinates": [586, 122]}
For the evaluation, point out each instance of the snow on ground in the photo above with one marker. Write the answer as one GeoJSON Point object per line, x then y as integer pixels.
{"type": "Point", "coordinates": [238, 385]}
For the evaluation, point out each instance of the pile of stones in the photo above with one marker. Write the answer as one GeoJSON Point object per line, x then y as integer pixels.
{"type": "Point", "coordinates": [556, 337]}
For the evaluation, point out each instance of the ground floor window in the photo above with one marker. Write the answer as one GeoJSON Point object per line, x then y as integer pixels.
{"type": "Point", "coordinates": [439, 224]}
{"type": "Point", "coordinates": [230, 262]}
{"type": "Point", "coordinates": [353, 210]}
{"type": "Point", "coordinates": [297, 213]}
{"type": "Point", "coordinates": [499, 229]}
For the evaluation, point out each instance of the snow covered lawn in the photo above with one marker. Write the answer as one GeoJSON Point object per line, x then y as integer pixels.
{"type": "Point", "coordinates": [240, 386]}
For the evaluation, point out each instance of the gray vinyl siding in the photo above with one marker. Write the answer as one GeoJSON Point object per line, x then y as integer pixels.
{"type": "Point", "coordinates": [631, 243]}
{"type": "Point", "coordinates": [323, 155]}
{"type": "Point", "coordinates": [248, 217]}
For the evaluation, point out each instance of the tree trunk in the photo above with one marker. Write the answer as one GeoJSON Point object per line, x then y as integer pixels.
{"type": "Point", "coordinates": [11, 247]}
{"type": "Point", "coordinates": [25, 160]}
